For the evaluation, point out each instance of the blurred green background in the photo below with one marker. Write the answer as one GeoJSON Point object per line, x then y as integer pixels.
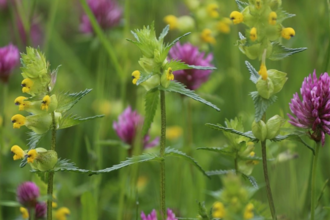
{"type": "Point", "coordinates": [85, 63]}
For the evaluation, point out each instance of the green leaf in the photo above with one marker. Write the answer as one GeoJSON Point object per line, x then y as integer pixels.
{"type": "Point", "coordinates": [221, 128]}
{"type": "Point", "coordinates": [241, 5]}
{"type": "Point", "coordinates": [10, 203]}
{"type": "Point", "coordinates": [151, 103]}
{"type": "Point", "coordinates": [173, 152]}
{"type": "Point", "coordinates": [33, 139]}
{"type": "Point", "coordinates": [252, 180]}
{"type": "Point", "coordinates": [202, 211]}
{"type": "Point", "coordinates": [64, 165]}
{"type": "Point", "coordinates": [164, 33]}
{"type": "Point", "coordinates": [261, 104]}
{"type": "Point", "coordinates": [130, 161]}
{"type": "Point", "coordinates": [53, 77]}
{"type": "Point", "coordinates": [167, 48]}
{"type": "Point", "coordinates": [279, 51]}
{"type": "Point", "coordinates": [219, 172]}
{"type": "Point", "coordinates": [89, 207]}
{"type": "Point", "coordinates": [72, 120]}
{"type": "Point", "coordinates": [282, 15]}
{"type": "Point", "coordinates": [261, 209]}
{"type": "Point", "coordinates": [177, 87]}
{"type": "Point", "coordinates": [67, 100]}
{"type": "Point", "coordinates": [135, 36]}
{"type": "Point", "coordinates": [43, 176]}
{"type": "Point", "coordinates": [114, 143]}
{"type": "Point", "coordinates": [220, 150]}
{"type": "Point", "coordinates": [143, 77]}
{"type": "Point", "coordinates": [178, 65]}
{"type": "Point", "coordinates": [254, 74]}
{"type": "Point", "coordinates": [293, 136]}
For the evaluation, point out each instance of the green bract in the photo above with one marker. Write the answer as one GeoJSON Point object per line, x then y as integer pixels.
{"type": "Point", "coordinates": [34, 64]}
{"type": "Point", "coordinates": [259, 130]}
{"type": "Point", "coordinates": [273, 126]}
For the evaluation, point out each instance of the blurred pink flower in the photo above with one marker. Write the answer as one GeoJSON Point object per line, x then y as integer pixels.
{"type": "Point", "coordinates": [27, 194]}
{"type": "Point", "coordinates": [313, 112]}
{"type": "Point", "coordinates": [3, 4]}
{"type": "Point", "coordinates": [9, 59]}
{"type": "Point", "coordinates": [190, 54]}
{"type": "Point", "coordinates": [35, 34]}
{"type": "Point", "coordinates": [153, 215]}
{"type": "Point", "coordinates": [106, 12]}
{"type": "Point", "coordinates": [126, 128]}
{"type": "Point", "coordinates": [41, 210]}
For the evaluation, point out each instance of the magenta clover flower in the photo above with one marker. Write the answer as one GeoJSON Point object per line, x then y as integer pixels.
{"type": "Point", "coordinates": [189, 54]}
{"type": "Point", "coordinates": [106, 12]}
{"type": "Point", "coordinates": [126, 128]}
{"type": "Point", "coordinates": [153, 215]}
{"type": "Point", "coordinates": [9, 59]}
{"type": "Point", "coordinates": [41, 210]}
{"type": "Point", "coordinates": [313, 112]}
{"type": "Point", "coordinates": [27, 194]}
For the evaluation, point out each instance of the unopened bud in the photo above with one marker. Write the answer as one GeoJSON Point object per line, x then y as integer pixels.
{"type": "Point", "coordinates": [278, 78]}
{"type": "Point", "coordinates": [273, 126]}
{"type": "Point", "coordinates": [259, 130]}
{"type": "Point", "coordinates": [152, 82]}
{"type": "Point", "coordinates": [265, 88]}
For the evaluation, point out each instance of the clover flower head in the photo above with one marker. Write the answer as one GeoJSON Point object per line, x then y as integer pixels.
{"type": "Point", "coordinates": [126, 128]}
{"type": "Point", "coordinates": [153, 215]}
{"type": "Point", "coordinates": [106, 12]}
{"type": "Point", "coordinates": [313, 111]}
{"type": "Point", "coordinates": [27, 194]}
{"type": "Point", "coordinates": [41, 210]}
{"type": "Point", "coordinates": [9, 59]}
{"type": "Point", "coordinates": [189, 54]}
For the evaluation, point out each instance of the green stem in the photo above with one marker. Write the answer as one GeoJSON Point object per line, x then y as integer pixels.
{"type": "Point", "coordinates": [50, 24]}
{"type": "Point", "coordinates": [236, 163]}
{"type": "Point", "coordinates": [122, 178]}
{"type": "Point", "coordinates": [269, 191]}
{"type": "Point", "coordinates": [313, 181]}
{"type": "Point", "coordinates": [162, 152]}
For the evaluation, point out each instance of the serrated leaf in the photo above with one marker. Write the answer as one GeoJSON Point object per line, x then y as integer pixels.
{"type": "Point", "coordinates": [221, 150]}
{"type": "Point", "coordinates": [173, 152]}
{"type": "Point", "coordinates": [53, 77]}
{"type": "Point", "coordinates": [67, 100]}
{"type": "Point", "coordinates": [241, 5]}
{"type": "Point", "coordinates": [177, 87]}
{"type": "Point", "coordinates": [33, 139]}
{"type": "Point", "coordinates": [279, 51]}
{"type": "Point", "coordinates": [254, 74]}
{"type": "Point", "coordinates": [151, 103]}
{"type": "Point", "coordinates": [247, 134]}
{"type": "Point", "coordinates": [178, 65]}
{"type": "Point", "coordinates": [282, 15]}
{"type": "Point", "coordinates": [293, 136]}
{"type": "Point", "coordinates": [72, 120]}
{"type": "Point", "coordinates": [261, 104]}
{"type": "Point", "coordinates": [63, 165]}
{"type": "Point", "coordinates": [143, 78]}
{"type": "Point", "coordinates": [252, 180]}
{"type": "Point", "coordinates": [167, 48]}
{"type": "Point", "coordinates": [164, 33]}
{"type": "Point", "coordinates": [241, 36]}
{"type": "Point", "coordinates": [135, 36]}
{"type": "Point", "coordinates": [219, 172]}
{"type": "Point", "coordinates": [130, 161]}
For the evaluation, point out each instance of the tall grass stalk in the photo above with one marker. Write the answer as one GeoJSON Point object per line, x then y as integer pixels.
{"type": "Point", "coordinates": [162, 152]}
{"type": "Point", "coordinates": [315, 156]}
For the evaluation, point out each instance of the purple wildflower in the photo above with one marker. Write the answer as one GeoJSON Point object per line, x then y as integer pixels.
{"type": "Point", "coordinates": [189, 54]}
{"type": "Point", "coordinates": [27, 194]}
{"type": "Point", "coordinates": [41, 210]}
{"type": "Point", "coordinates": [35, 32]}
{"type": "Point", "coordinates": [313, 112]}
{"type": "Point", "coordinates": [9, 58]}
{"type": "Point", "coordinates": [106, 12]}
{"type": "Point", "coordinates": [126, 128]}
{"type": "Point", "coordinates": [153, 215]}
{"type": "Point", "coordinates": [3, 4]}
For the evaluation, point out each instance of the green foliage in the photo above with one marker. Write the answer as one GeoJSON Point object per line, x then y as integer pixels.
{"type": "Point", "coordinates": [164, 33]}
{"type": "Point", "coordinates": [261, 209]}
{"type": "Point", "coordinates": [282, 15]}
{"type": "Point", "coordinates": [225, 151]}
{"type": "Point", "coordinates": [167, 48]}
{"type": "Point", "coordinates": [254, 74]}
{"type": "Point", "coordinates": [202, 211]}
{"type": "Point", "coordinates": [280, 52]}
{"type": "Point", "coordinates": [151, 103]}
{"type": "Point", "coordinates": [89, 206]}
{"type": "Point", "coordinates": [67, 100]}
{"type": "Point", "coordinates": [293, 136]}
{"type": "Point", "coordinates": [143, 77]}
{"type": "Point", "coordinates": [173, 152]}
{"type": "Point", "coordinates": [252, 180]}
{"type": "Point", "coordinates": [219, 172]}
{"type": "Point", "coordinates": [177, 65]}
{"type": "Point", "coordinates": [261, 104]}
{"type": "Point", "coordinates": [241, 5]}
{"type": "Point", "coordinates": [181, 89]}
{"type": "Point", "coordinates": [33, 139]}
{"type": "Point", "coordinates": [71, 120]}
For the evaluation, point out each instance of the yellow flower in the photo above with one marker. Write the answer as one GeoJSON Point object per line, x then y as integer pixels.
{"type": "Point", "coordinates": [212, 10]}
{"type": "Point", "coordinates": [18, 152]}
{"type": "Point", "coordinates": [173, 132]}
{"type": "Point", "coordinates": [248, 212]}
{"type": "Point", "coordinates": [236, 17]}
{"type": "Point", "coordinates": [27, 84]}
{"type": "Point", "coordinates": [136, 76]}
{"type": "Point", "coordinates": [218, 210]}
{"type": "Point", "coordinates": [169, 74]}
{"type": "Point", "coordinates": [141, 183]}
{"type": "Point", "coordinates": [263, 72]}
{"type": "Point", "coordinates": [45, 102]}
{"type": "Point", "coordinates": [172, 21]}
{"type": "Point", "coordinates": [32, 155]}
{"type": "Point", "coordinates": [287, 33]}
{"type": "Point", "coordinates": [253, 34]}
{"type": "Point", "coordinates": [252, 154]}
{"type": "Point", "coordinates": [207, 36]}
{"type": "Point", "coordinates": [62, 213]}
{"type": "Point", "coordinates": [224, 25]}
{"type": "Point", "coordinates": [18, 120]}
{"type": "Point", "coordinates": [21, 103]}
{"type": "Point", "coordinates": [272, 18]}
{"type": "Point", "coordinates": [24, 212]}
{"type": "Point", "coordinates": [257, 4]}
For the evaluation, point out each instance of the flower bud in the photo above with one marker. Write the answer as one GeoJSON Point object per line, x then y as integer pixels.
{"type": "Point", "coordinates": [265, 88]}
{"type": "Point", "coordinates": [172, 21]}
{"type": "Point", "coordinates": [278, 78]}
{"type": "Point", "coordinates": [273, 126]}
{"type": "Point", "coordinates": [253, 34]}
{"type": "Point", "coordinates": [259, 130]}
{"type": "Point", "coordinates": [152, 82]}
{"type": "Point", "coordinates": [167, 76]}
{"type": "Point", "coordinates": [186, 23]}
{"type": "Point", "coordinates": [42, 159]}
{"type": "Point", "coordinates": [192, 4]}
{"type": "Point", "coordinates": [34, 63]}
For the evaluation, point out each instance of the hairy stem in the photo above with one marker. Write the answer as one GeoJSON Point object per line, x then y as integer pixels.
{"type": "Point", "coordinates": [162, 152]}
{"type": "Point", "coordinates": [313, 181]}
{"type": "Point", "coordinates": [269, 191]}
